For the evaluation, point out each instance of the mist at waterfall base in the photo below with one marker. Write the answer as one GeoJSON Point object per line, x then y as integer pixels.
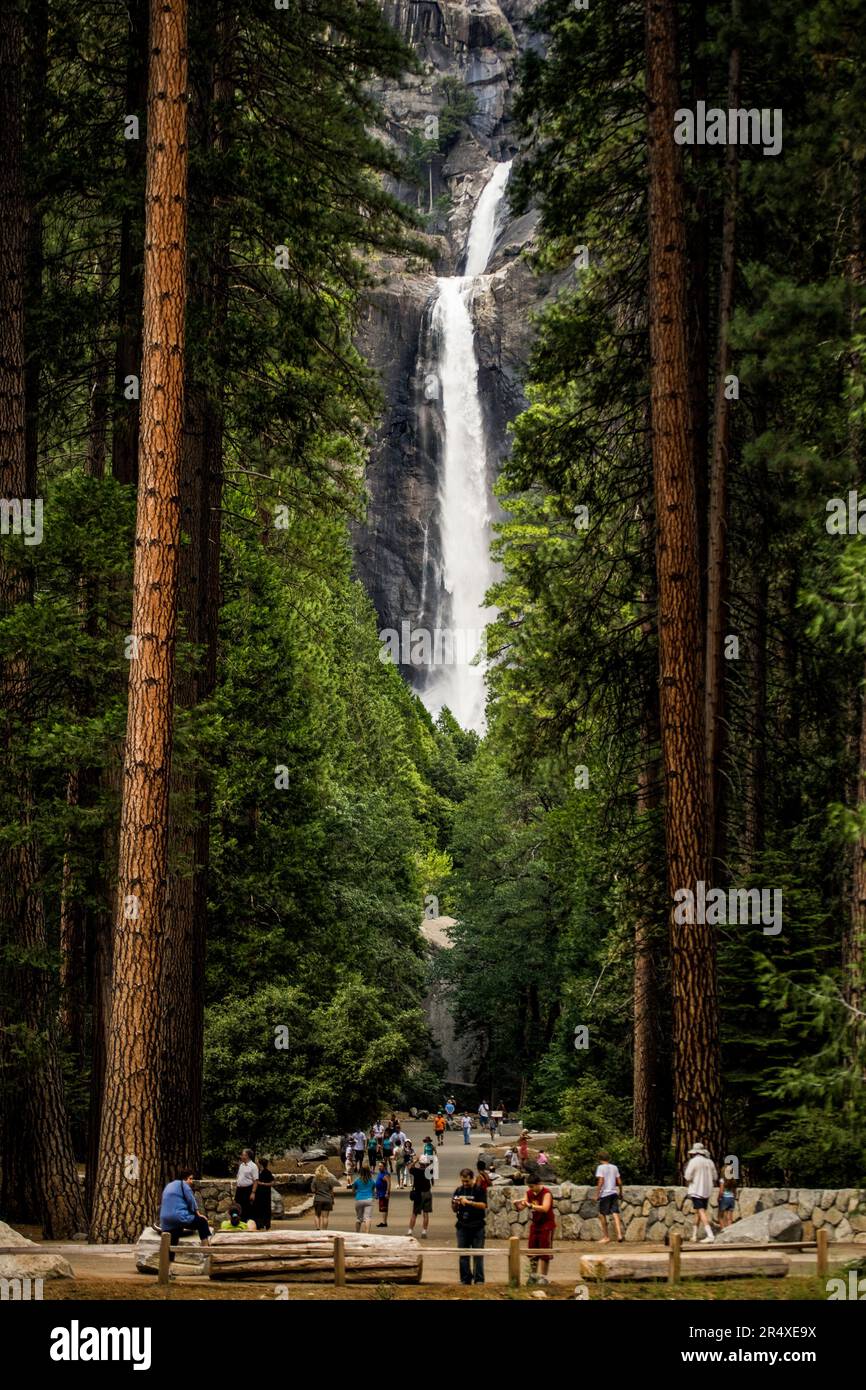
{"type": "Point", "coordinates": [464, 498]}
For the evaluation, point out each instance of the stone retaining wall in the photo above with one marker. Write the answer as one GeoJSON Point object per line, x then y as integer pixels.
{"type": "Point", "coordinates": [216, 1195]}
{"type": "Point", "coordinates": [649, 1213]}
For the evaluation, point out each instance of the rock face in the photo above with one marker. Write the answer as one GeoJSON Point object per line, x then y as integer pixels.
{"type": "Point", "coordinates": [476, 44]}
{"type": "Point", "coordinates": [29, 1264]}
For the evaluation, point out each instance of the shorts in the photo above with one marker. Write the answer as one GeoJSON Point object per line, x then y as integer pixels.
{"type": "Point", "coordinates": [424, 1202]}
{"type": "Point", "coordinates": [699, 1203]}
{"type": "Point", "coordinates": [726, 1201]}
{"type": "Point", "coordinates": [384, 1203]}
{"type": "Point", "coordinates": [363, 1211]}
{"type": "Point", "coordinates": [541, 1235]}
{"type": "Point", "coordinates": [319, 1207]}
{"type": "Point", "coordinates": [608, 1205]}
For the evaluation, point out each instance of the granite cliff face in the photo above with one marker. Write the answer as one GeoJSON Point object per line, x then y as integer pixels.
{"type": "Point", "coordinates": [471, 44]}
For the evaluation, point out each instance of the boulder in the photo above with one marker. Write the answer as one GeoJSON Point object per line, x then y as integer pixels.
{"type": "Point", "coordinates": [314, 1156]}
{"type": "Point", "coordinates": [777, 1224]}
{"type": "Point", "coordinates": [189, 1253]}
{"type": "Point", "coordinates": [590, 1230]}
{"type": "Point", "coordinates": [636, 1229]}
{"type": "Point", "coordinates": [30, 1264]}
{"type": "Point", "coordinates": [807, 1199]}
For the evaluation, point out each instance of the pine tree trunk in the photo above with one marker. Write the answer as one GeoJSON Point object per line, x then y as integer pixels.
{"type": "Point", "coordinates": [130, 1168]}
{"type": "Point", "coordinates": [39, 1176]}
{"type": "Point", "coordinates": [717, 546]}
{"type": "Point", "coordinates": [697, 1094]}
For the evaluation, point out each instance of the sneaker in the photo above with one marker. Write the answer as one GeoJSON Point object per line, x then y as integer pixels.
{"type": "Point", "coordinates": [709, 1236]}
{"type": "Point", "coordinates": [423, 1235]}
{"type": "Point", "coordinates": [532, 1279]}
{"type": "Point", "coordinates": [542, 1279]}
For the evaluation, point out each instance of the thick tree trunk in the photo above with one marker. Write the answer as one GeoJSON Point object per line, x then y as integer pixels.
{"type": "Point", "coordinates": [43, 1185]}
{"type": "Point", "coordinates": [183, 992]}
{"type": "Point", "coordinates": [697, 1092]}
{"type": "Point", "coordinates": [717, 546]}
{"type": "Point", "coordinates": [130, 1168]}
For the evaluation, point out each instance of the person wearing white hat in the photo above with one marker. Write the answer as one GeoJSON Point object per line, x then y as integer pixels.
{"type": "Point", "coordinates": [701, 1176]}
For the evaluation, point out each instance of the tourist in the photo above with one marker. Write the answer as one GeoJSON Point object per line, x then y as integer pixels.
{"type": "Point", "coordinates": [439, 1127]}
{"type": "Point", "coordinates": [607, 1194]}
{"type": "Point", "coordinates": [494, 1124]}
{"type": "Point", "coordinates": [234, 1220]}
{"type": "Point", "coordinates": [450, 1108]}
{"type": "Point", "coordinates": [350, 1161]}
{"type": "Point", "coordinates": [483, 1114]}
{"type": "Point", "coordinates": [400, 1160]}
{"type": "Point", "coordinates": [421, 1174]}
{"type": "Point", "coordinates": [701, 1177]}
{"type": "Point", "coordinates": [469, 1204]}
{"type": "Point", "coordinates": [523, 1147]}
{"type": "Point", "coordinates": [372, 1148]}
{"type": "Point", "coordinates": [542, 1224]}
{"type": "Point", "coordinates": [383, 1192]}
{"type": "Point", "coordinates": [503, 1112]}
{"type": "Point", "coordinates": [322, 1192]}
{"type": "Point", "coordinates": [727, 1201]}
{"type": "Point", "coordinates": [179, 1212]}
{"type": "Point", "coordinates": [466, 1126]}
{"type": "Point", "coordinates": [387, 1149]}
{"type": "Point", "coordinates": [483, 1178]}
{"type": "Point", "coordinates": [364, 1188]}
{"type": "Point", "coordinates": [359, 1141]}
{"type": "Point", "coordinates": [261, 1196]}
{"type": "Point", "coordinates": [246, 1177]}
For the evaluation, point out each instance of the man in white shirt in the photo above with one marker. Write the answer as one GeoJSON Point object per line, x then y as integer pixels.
{"type": "Point", "coordinates": [701, 1176]}
{"type": "Point", "coordinates": [483, 1114]}
{"type": "Point", "coordinates": [607, 1195]}
{"type": "Point", "coordinates": [359, 1139]}
{"type": "Point", "coordinates": [248, 1176]}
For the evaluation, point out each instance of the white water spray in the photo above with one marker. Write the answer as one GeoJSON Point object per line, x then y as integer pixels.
{"type": "Point", "coordinates": [464, 495]}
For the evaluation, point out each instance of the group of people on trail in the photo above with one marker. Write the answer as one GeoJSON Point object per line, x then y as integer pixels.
{"type": "Point", "coordinates": [180, 1214]}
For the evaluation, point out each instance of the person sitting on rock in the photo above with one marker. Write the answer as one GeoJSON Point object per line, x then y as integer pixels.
{"type": "Point", "coordinates": [178, 1212]}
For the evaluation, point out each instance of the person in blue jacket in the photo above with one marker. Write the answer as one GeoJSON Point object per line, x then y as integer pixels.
{"type": "Point", "coordinates": [178, 1212]}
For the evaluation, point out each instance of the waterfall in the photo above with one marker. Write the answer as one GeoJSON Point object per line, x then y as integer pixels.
{"type": "Point", "coordinates": [464, 491]}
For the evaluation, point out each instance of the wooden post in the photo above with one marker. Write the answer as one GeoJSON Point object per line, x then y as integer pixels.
{"type": "Point", "coordinates": [339, 1260]}
{"type": "Point", "coordinates": [514, 1261]}
{"type": "Point", "coordinates": [823, 1241]}
{"type": "Point", "coordinates": [674, 1257]}
{"type": "Point", "coordinates": [164, 1257]}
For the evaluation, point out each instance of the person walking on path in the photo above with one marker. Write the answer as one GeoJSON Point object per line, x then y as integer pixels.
{"type": "Point", "coordinates": [542, 1224]}
{"type": "Point", "coordinates": [247, 1176]}
{"type": "Point", "coordinates": [387, 1150]}
{"type": "Point", "coordinates": [383, 1192]}
{"type": "Point", "coordinates": [179, 1212]}
{"type": "Point", "coordinates": [261, 1196]}
{"type": "Point", "coordinates": [466, 1126]}
{"type": "Point", "coordinates": [450, 1107]}
{"type": "Point", "coordinates": [469, 1205]}
{"type": "Point", "coordinates": [400, 1165]}
{"type": "Point", "coordinates": [483, 1114]}
{"type": "Point", "coordinates": [701, 1176]}
{"type": "Point", "coordinates": [322, 1192]}
{"type": "Point", "coordinates": [364, 1188]}
{"type": "Point", "coordinates": [350, 1161]}
{"type": "Point", "coordinates": [359, 1140]}
{"type": "Point", "coordinates": [607, 1194]}
{"type": "Point", "coordinates": [421, 1174]}
{"type": "Point", "coordinates": [439, 1128]}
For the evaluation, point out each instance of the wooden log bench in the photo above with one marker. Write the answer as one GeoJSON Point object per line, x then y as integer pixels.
{"type": "Point", "coordinates": [315, 1257]}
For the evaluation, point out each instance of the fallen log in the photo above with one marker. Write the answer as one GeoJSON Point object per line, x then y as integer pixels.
{"type": "Point", "coordinates": [309, 1256]}
{"type": "Point", "coordinates": [717, 1265]}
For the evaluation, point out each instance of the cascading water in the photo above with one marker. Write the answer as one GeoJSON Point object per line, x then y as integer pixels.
{"type": "Point", "coordinates": [464, 490]}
